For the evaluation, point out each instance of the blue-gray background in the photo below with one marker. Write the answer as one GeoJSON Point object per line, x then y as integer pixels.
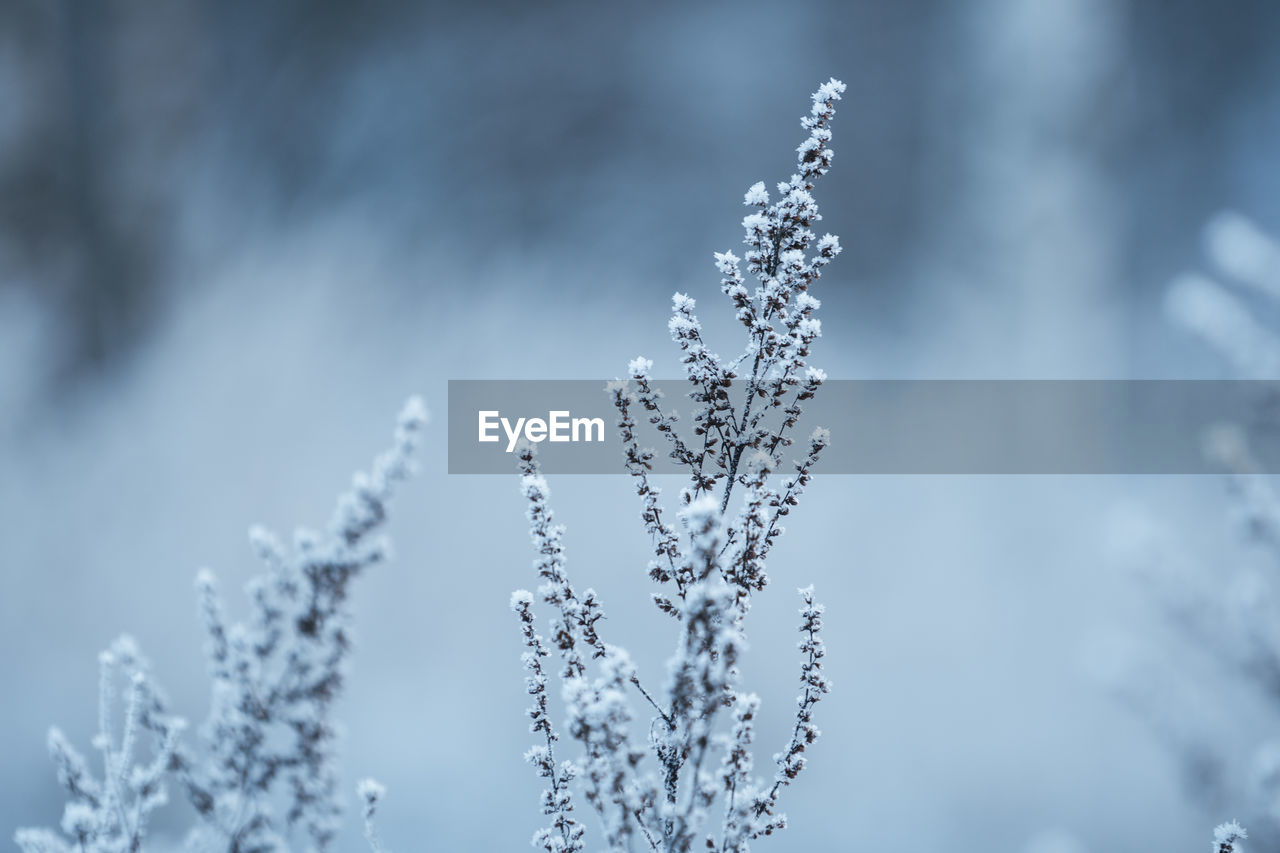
{"type": "Point", "coordinates": [235, 235]}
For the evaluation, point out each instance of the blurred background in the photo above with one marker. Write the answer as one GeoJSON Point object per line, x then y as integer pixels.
{"type": "Point", "coordinates": [235, 235]}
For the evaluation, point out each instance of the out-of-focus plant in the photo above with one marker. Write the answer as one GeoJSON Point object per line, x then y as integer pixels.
{"type": "Point", "coordinates": [707, 564]}
{"type": "Point", "coordinates": [1227, 837]}
{"type": "Point", "coordinates": [1231, 608]}
{"type": "Point", "coordinates": [270, 735]}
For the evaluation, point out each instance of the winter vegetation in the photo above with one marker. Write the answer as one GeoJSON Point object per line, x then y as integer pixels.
{"type": "Point", "coordinates": [1227, 837]}
{"type": "Point", "coordinates": [235, 228]}
{"type": "Point", "coordinates": [692, 782]}
{"type": "Point", "coordinates": [1232, 608]}
{"type": "Point", "coordinates": [269, 740]}
{"type": "Point", "coordinates": [1221, 315]}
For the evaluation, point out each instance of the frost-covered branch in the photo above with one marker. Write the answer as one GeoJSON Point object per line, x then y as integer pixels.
{"type": "Point", "coordinates": [813, 685]}
{"type": "Point", "coordinates": [779, 318]}
{"type": "Point", "coordinates": [715, 569]}
{"type": "Point", "coordinates": [1233, 613]}
{"type": "Point", "coordinates": [275, 679]}
{"type": "Point", "coordinates": [564, 833]}
{"type": "Point", "coordinates": [270, 733]}
{"type": "Point", "coordinates": [666, 542]}
{"type": "Point", "coordinates": [110, 814]}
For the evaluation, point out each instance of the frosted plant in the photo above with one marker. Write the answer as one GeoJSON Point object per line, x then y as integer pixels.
{"type": "Point", "coordinates": [371, 793]}
{"type": "Point", "coordinates": [662, 795]}
{"type": "Point", "coordinates": [275, 679]}
{"type": "Point", "coordinates": [110, 814]}
{"type": "Point", "coordinates": [270, 734]}
{"type": "Point", "coordinates": [1227, 838]}
{"type": "Point", "coordinates": [1214, 313]}
{"type": "Point", "coordinates": [1234, 612]}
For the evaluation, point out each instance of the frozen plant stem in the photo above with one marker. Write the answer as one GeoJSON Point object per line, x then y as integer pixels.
{"type": "Point", "coordinates": [660, 797]}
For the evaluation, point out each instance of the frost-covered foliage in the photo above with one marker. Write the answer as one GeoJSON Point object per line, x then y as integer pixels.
{"type": "Point", "coordinates": [1245, 254]}
{"type": "Point", "coordinates": [672, 793]}
{"type": "Point", "coordinates": [371, 793]}
{"type": "Point", "coordinates": [1231, 608]}
{"type": "Point", "coordinates": [1227, 837]}
{"type": "Point", "coordinates": [270, 735]}
{"type": "Point", "coordinates": [110, 814]}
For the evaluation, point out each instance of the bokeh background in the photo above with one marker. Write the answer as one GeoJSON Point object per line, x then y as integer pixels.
{"type": "Point", "coordinates": [235, 235]}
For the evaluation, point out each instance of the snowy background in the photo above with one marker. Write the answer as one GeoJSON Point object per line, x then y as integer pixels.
{"type": "Point", "coordinates": [235, 236]}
